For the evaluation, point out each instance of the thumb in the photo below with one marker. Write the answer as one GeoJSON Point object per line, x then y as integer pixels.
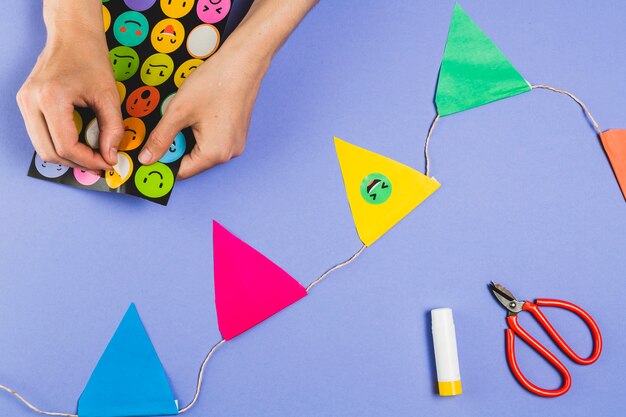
{"type": "Point", "coordinates": [109, 116]}
{"type": "Point", "coordinates": [162, 137]}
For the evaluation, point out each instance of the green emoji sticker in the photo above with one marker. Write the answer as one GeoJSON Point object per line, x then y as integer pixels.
{"type": "Point", "coordinates": [125, 62]}
{"type": "Point", "coordinates": [154, 180]}
{"type": "Point", "coordinates": [375, 188]}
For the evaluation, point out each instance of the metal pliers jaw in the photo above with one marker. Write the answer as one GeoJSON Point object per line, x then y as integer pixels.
{"type": "Point", "coordinates": [504, 296]}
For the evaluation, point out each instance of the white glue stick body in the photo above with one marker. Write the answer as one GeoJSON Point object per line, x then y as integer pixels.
{"type": "Point", "coordinates": [446, 356]}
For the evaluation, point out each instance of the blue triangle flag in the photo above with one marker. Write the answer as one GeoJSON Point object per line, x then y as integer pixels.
{"type": "Point", "coordinates": [129, 379]}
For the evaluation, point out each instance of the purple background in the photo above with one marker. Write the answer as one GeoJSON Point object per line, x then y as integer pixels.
{"type": "Point", "coordinates": [528, 199]}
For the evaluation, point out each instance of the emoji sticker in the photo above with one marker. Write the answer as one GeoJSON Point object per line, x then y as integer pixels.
{"type": "Point", "coordinates": [139, 5]}
{"type": "Point", "coordinates": [156, 69]}
{"type": "Point", "coordinates": [142, 101]}
{"type": "Point", "coordinates": [154, 180]}
{"type": "Point", "coordinates": [375, 188]}
{"type": "Point", "coordinates": [203, 41]}
{"type": "Point", "coordinates": [134, 134]}
{"type": "Point", "coordinates": [49, 170]}
{"type": "Point", "coordinates": [121, 90]}
{"type": "Point", "coordinates": [92, 133]}
{"type": "Point", "coordinates": [176, 150]}
{"type": "Point", "coordinates": [166, 103]}
{"type": "Point", "coordinates": [125, 62]}
{"type": "Point", "coordinates": [106, 18]}
{"type": "Point", "coordinates": [185, 69]}
{"type": "Point", "coordinates": [212, 11]}
{"type": "Point", "coordinates": [176, 8]}
{"type": "Point", "coordinates": [130, 28]}
{"type": "Point", "coordinates": [167, 35]}
{"type": "Point", "coordinates": [121, 171]}
{"type": "Point", "coordinates": [78, 121]}
{"type": "Point", "coordinates": [85, 177]}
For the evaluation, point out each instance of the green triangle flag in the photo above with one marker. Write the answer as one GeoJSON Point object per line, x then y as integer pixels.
{"type": "Point", "coordinates": [473, 70]}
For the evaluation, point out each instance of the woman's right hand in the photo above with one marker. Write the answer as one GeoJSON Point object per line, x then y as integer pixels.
{"type": "Point", "coordinates": [72, 70]}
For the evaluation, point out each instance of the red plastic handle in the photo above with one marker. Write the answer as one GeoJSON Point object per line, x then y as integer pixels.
{"type": "Point", "coordinates": [516, 329]}
{"type": "Point", "coordinates": [591, 324]}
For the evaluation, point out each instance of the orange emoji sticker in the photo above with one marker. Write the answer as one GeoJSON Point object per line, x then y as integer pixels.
{"type": "Point", "coordinates": [121, 171]}
{"type": "Point", "coordinates": [134, 134]}
{"type": "Point", "coordinates": [142, 101]}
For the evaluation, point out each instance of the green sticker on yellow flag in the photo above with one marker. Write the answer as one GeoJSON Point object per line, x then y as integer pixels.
{"type": "Point", "coordinates": [380, 191]}
{"type": "Point", "coordinates": [473, 70]}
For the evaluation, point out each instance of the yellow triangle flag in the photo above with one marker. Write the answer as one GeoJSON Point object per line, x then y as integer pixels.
{"type": "Point", "coordinates": [380, 191]}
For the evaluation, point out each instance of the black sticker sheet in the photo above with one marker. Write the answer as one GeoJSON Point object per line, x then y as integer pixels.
{"type": "Point", "coordinates": [153, 46]}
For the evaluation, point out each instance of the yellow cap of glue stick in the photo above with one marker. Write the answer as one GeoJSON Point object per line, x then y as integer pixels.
{"type": "Point", "coordinates": [446, 356]}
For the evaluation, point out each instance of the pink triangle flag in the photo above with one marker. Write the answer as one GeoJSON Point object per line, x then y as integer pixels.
{"type": "Point", "coordinates": [249, 288]}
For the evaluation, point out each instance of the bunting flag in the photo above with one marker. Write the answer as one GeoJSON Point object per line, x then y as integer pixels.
{"type": "Point", "coordinates": [614, 143]}
{"type": "Point", "coordinates": [380, 191]}
{"type": "Point", "coordinates": [249, 288]}
{"type": "Point", "coordinates": [129, 379]}
{"type": "Point", "coordinates": [473, 70]}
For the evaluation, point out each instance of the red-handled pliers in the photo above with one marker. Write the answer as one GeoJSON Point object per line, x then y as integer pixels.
{"type": "Point", "coordinates": [514, 307]}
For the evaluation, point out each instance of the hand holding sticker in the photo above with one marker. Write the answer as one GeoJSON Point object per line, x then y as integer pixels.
{"type": "Point", "coordinates": [73, 70]}
{"type": "Point", "coordinates": [219, 115]}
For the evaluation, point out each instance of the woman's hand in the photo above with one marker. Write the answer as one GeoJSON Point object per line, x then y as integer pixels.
{"type": "Point", "coordinates": [216, 100]}
{"type": "Point", "coordinates": [73, 70]}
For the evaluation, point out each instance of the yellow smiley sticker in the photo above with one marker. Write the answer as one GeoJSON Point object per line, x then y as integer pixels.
{"type": "Point", "coordinates": [167, 35]}
{"type": "Point", "coordinates": [134, 134]}
{"type": "Point", "coordinates": [78, 121]}
{"type": "Point", "coordinates": [106, 17]}
{"type": "Point", "coordinates": [185, 69]}
{"type": "Point", "coordinates": [156, 69]}
{"type": "Point", "coordinates": [176, 8]}
{"type": "Point", "coordinates": [121, 90]}
{"type": "Point", "coordinates": [121, 172]}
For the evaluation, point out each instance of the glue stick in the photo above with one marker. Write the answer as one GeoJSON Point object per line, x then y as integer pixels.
{"type": "Point", "coordinates": [446, 357]}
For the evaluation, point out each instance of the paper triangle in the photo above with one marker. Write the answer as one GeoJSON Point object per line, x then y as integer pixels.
{"type": "Point", "coordinates": [249, 288]}
{"type": "Point", "coordinates": [380, 191]}
{"type": "Point", "coordinates": [473, 70]}
{"type": "Point", "coordinates": [129, 379]}
{"type": "Point", "coordinates": [614, 143]}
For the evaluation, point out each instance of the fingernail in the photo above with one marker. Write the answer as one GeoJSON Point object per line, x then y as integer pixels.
{"type": "Point", "coordinates": [113, 155]}
{"type": "Point", "coordinates": [145, 156]}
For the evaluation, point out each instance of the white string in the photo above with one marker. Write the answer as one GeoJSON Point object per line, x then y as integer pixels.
{"type": "Point", "coordinates": [577, 100]}
{"type": "Point", "coordinates": [324, 275]}
{"type": "Point", "coordinates": [32, 407]}
{"type": "Point", "coordinates": [182, 410]}
{"type": "Point", "coordinates": [334, 268]}
{"type": "Point", "coordinates": [201, 376]}
{"type": "Point", "coordinates": [206, 359]}
{"type": "Point", "coordinates": [214, 348]}
{"type": "Point", "coordinates": [430, 131]}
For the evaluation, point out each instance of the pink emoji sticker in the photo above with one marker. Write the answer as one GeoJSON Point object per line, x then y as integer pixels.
{"type": "Point", "coordinates": [85, 177]}
{"type": "Point", "coordinates": [212, 11]}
